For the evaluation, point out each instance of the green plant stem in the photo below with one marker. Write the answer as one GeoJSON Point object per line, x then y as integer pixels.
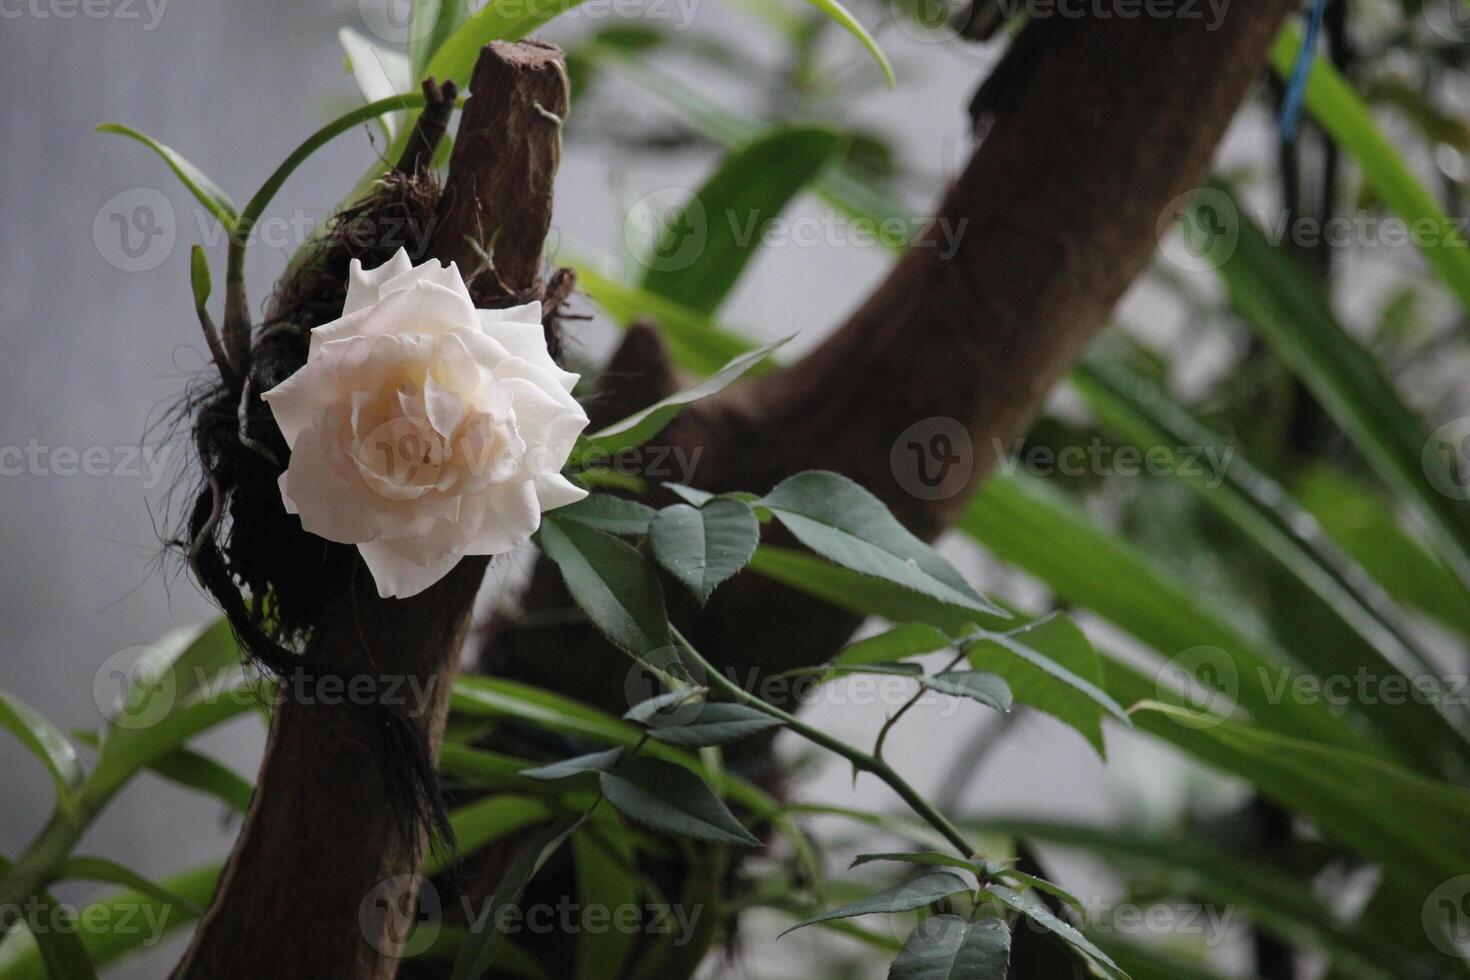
{"type": "Point", "coordinates": [237, 313]}
{"type": "Point", "coordinates": [860, 759]}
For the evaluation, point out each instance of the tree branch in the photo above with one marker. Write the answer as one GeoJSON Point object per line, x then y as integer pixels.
{"type": "Point", "coordinates": [1091, 127]}
{"type": "Point", "coordinates": [300, 896]}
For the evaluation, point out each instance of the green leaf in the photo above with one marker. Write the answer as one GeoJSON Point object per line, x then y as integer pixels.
{"type": "Point", "coordinates": [46, 742]}
{"type": "Point", "coordinates": [606, 878]}
{"type": "Point", "coordinates": [1370, 639]}
{"type": "Point", "coordinates": [728, 217]}
{"type": "Point", "coordinates": [665, 708]}
{"type": "Point", "coordinates": [931, 859]}
{"type": "Point", "coordinates": [1281, 903]}
{"type": "Point", "coordinates": [614, 586]}
{"type": "Point", "coordinates": [199, 276]}
{"type": "Point", "coordinates": [102, 869]}
{"type": "Point", "coordinates": [1289, 308]}
{"type": "Point", "coordinates": [947, 947]}
{"type": "Point", "coordinates": [695, 342]}
{"type": "Point", "coordinates": [1333, 103]}
{"type": "Point", "coordinates": [908, 640]}
{"type": "Point", "coordinates": [485, 937]}
{"type": "Point", "coordinates": [1025, 522]}
{"type": "Point", "coordinates": [673, 800]}
{"type": "Point", "coordinates": [432, 23]}
{"type": "Point", "coordinates": [1025, 880]}
{"type": "Point", "coordinates": [1381, 811]}
{"type": "Point", "coordinates": [61, 950]}
{"type": "Point", "coordinates": [988, 689]}
{"type": "Point", "coordinates": [860, 593]}
{"type": "Point", "coordinates": [615, 515]}
{"type": "Point", "coordinates": [171, 695]}
{"type": "Point", "coordinates": [199, 772]}
{"type": "Point", "coordinates": [711, 723]}
{"type": "Point", "coordinates": [1051, 666]}
{"type": "Point", "coordinates": [380, 72]}
{"type": "Point", "coordinates": [215, 201]}
{"type": "Point", "coordinates": [593, 762]}
{"type": "Point", "coordinates": [193, 770]}
{"type": "Point", "coordinates": [638, 428]}
{"type": "Point", "coordinates": [1034, 909]}
{"type": "Point", "coordinates": [924, 890]}
{"type": "Point", "coordinates": [849, 23]}
{"type": "Point", "coordinates": [456, 56]}
{"type": "Point", "coordinates": [1363, 522]}
{"type": "Point", "coordinates": [846, 524]}
{"type": "Point", "coordinates": [703, 547]}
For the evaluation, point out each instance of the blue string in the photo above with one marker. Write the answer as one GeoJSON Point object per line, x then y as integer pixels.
{"type": "Point", "coordinates": [1296, 87]}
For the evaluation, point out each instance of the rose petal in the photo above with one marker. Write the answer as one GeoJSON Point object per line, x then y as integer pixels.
{"type": "Point", "coordinates": [519, 330]}
{"type": "Point", "coordinates": [399, 576]}
{"type": "Point", "coordinates": [555, 490]}
{"type": "Point", "coordinates": [363, 284]}
{"type": "Point", "coordinates": [511, 515]}
{"type": "Point", "coordinates": [294, 402]}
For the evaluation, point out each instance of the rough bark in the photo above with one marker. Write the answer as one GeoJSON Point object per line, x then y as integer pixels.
{"type": "Point", "coordinates": [1090, 128]}
{"type": "Point", "coordinates": [320, 877]}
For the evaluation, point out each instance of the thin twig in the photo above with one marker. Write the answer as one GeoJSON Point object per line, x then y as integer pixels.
{"type": "Point", "coordinates": [857, 757]}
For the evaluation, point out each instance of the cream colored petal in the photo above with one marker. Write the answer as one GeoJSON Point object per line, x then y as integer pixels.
{"type": "Point", "coordinates": [321, 485]}
{"type": "Point", "coordinates": [432, 271]}
{"type": "Point", "coordinates": [294, 402]}
{"type": "Point", "coordinates": [363, 284]}
{"type": "Point", "coordinates": [555, 490]}
{"type": "Point", "coordinates": [399, 576]}
{"type": "Point", "coordinates": [339, 329]}
{"type": "Point", "coordinates": [511, 515]}
{"type": "Point", "coordinates": [524, 337]}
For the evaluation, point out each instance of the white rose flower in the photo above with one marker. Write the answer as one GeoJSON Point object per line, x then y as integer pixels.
{"type": "Point", "coordinates": [422, 429]}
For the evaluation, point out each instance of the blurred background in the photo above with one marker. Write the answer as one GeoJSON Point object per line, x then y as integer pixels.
{"type": "Point", "coordinates": [100, 340]}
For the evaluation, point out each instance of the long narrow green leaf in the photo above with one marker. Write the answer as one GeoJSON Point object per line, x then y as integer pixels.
{"type": "Point", "coordinates": [638, 428]}
{"type": "Point", "coordinates": [1290, 310]}
{"type": "Point", "coordinates": [1362, 520]}
{"type": "Point", "coordinates": [1100, 571]}
{"type": "Point", "coordinates": [478, 952]}
{"type": "Point", "coordinates": [1346, 118]}
{"type": "Point", "coordinates": [47, 743]}
{"type": "Point", "coordinates": [103, 869]}
{"type": "Point", "coordinates": [1377, 645]}
{"type": "Point", "coordinates": [61, 950]}
{"type": "Point", "coordinates": [1379, 810]}
{"type": "Point", "coordinates": [705, 245]}
{"type": "Point", "coordinates": [432, 23]}
{"type": "Point", "coordinates": [205, 191]}
{"type": "Point", "coordinates": [1280, 902]}
{"type": "Point", "coordinates": [693, 341]}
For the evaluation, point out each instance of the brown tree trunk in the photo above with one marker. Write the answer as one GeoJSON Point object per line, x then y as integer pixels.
{"type": "Point", "coordinates": [1090, 128]}
{"type": "Point", "coordinates": [321, 883]}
